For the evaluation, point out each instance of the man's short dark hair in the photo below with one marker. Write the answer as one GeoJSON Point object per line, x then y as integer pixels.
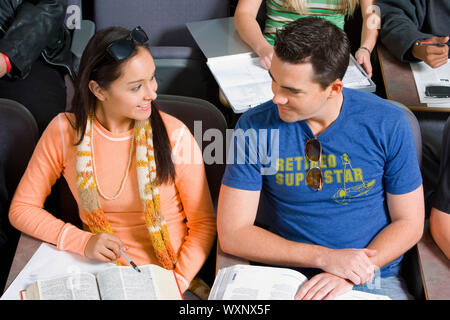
{"type": "Point", "coordinates": [317, 41]}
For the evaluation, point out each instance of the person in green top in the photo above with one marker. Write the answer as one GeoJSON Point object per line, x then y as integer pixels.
{"type": "Point", "coordinates": [281, 12]}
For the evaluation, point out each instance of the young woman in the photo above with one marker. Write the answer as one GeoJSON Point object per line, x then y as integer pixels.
{"type": "Point", "coordinates": [128, 165]}
{"type": "Point", "coordinates": [281, 12]}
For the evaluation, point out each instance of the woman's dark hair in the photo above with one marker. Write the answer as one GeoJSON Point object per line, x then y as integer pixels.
{"type": "Point", "coordinates": [92, 67]}
{"type": "Point", "coordinates": [317, 41]}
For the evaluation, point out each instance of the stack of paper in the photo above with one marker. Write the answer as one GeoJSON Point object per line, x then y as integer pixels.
{"type": "Point", "coordinates": [425, 76]}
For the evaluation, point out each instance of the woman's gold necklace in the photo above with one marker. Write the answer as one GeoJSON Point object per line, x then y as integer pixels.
{"type": "Point", "coordinates": [122, 185]}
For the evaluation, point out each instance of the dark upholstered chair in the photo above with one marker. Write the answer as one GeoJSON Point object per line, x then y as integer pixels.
{"type": "Point", "coordinates": [18, 137]}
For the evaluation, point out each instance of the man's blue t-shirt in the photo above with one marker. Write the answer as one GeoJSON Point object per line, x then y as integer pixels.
{"type": "Point", "coordinates": [369, 150]}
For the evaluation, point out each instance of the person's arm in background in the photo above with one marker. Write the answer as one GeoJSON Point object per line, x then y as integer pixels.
{"type": "Point", "coordinates": [440, 230]}
{"type": "Point", "coordinates": [402, 21]}
{"type": "Point", "coordinates": [30, 31]}
{"type": "Point", "coordinates": [369, 35]}
{"type": "Point", "coordinates": [5, 64]}
{"type": "Point", "coordinates": [249, 30]}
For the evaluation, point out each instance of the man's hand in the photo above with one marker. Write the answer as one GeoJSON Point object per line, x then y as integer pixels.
{"type": "Point", "coordinates": [2, 66]}
{"type": "Point", "coordinates": [351, 264]}
{"type": "Point", "coordinates": [104, 247]}
{"type": "Point", "coordinates": [432, 55]}
{"type": "Point", "coordinates": [324, 286]}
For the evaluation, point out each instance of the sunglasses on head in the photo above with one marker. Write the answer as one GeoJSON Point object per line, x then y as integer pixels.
{"type": "Point", "coordinates": [122, 48]}
{"type": "Point", "coordinates": [313, 151]}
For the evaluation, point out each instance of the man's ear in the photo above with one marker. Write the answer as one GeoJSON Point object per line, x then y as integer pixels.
{"type": "Point", "coordinates": [335, 88]}
{"type": "Point", "coordinates": [97, 91]}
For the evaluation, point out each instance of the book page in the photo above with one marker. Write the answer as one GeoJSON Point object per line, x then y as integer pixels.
{"type": "Point", "coordinates": [81, 286]}
{"type": "Point", "coordinates": [165, 283]}
{"type": "Point", "coordinates": [238, 70]}
{"type": "Point", "coordinates": [125, 283]}
{"type": "Point", "coordinates": [244, 282]}
{"type": "Point", "coordinates": [361, 295]}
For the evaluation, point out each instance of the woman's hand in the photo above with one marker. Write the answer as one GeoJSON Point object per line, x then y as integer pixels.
{"type": "Point", "coordinates": [324, 286]}
{"type": "Point", "coordinates": [265, 56]}
{"type": "Point", "coordinates": [104, 247]}
{"type": "Point", "coordinates": [363, 58]}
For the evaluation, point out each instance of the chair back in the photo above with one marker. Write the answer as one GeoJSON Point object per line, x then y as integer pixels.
{"type": "Point", "coordinates": [18, 137]}
{"type": "Point", "coordinates": [200, 116]}
{"type": "Point", "coordinates": [415, 128]}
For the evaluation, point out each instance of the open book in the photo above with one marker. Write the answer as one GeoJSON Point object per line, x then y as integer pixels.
{"type": "Point", "coordinates": [248, 282]}
{"type": "Point", "coordinates": [114, 283]}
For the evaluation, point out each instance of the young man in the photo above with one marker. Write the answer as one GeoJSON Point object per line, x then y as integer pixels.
{"type": "Point", "coordinates": [345, 196]}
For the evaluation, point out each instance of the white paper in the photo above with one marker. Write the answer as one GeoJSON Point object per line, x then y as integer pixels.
{"type": "Point", "coordinates": [354, 78]}
{"type": "Point", "coordinates": [425, 76]}
{"type": "Point", "coordinates": [49, 262]}
{"type": "Point", "coordinates": [246, 84]}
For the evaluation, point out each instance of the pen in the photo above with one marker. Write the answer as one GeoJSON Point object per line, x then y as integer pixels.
{"type": "Point", "coordinates": [130, 261]}
{"type": "Point", "coordinates": [427, 43]}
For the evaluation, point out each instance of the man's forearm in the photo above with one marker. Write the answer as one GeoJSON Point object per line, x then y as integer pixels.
{"type": "Point", "coordinates": [260, 245]}
{"type": "Point", "coordinates": [395, 240]}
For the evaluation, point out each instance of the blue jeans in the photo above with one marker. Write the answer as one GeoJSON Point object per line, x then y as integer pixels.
{"type": "Point", "coordinates": [394, 287]}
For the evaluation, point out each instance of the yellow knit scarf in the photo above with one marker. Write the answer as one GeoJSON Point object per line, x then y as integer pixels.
{"type": "Point", "coordinates": [148, 190]}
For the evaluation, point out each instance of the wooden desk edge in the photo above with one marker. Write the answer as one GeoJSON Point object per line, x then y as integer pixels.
{"type": "Point", "coordinates": [431, 256]}
{"type": "Point", "coordinates": [382, 52]}
{"type": "Point", "coordinates": [21, 256]}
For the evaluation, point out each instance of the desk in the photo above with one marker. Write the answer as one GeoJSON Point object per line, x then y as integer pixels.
{"type": "Point", "coordinates": [26, 247]}
{"type": "Point", "coordinates": [399, 82]}
{"type": "Point", "coordinates": [434, 267]}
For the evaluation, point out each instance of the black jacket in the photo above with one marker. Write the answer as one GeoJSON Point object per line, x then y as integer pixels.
{"type": "Point", "coordinates": [406, 21]}
{"type": "Point", "coordinates": [30, 28]}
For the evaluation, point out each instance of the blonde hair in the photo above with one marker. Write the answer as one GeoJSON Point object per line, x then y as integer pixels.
{"type": "Point", "coordinates": [348, 6]}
